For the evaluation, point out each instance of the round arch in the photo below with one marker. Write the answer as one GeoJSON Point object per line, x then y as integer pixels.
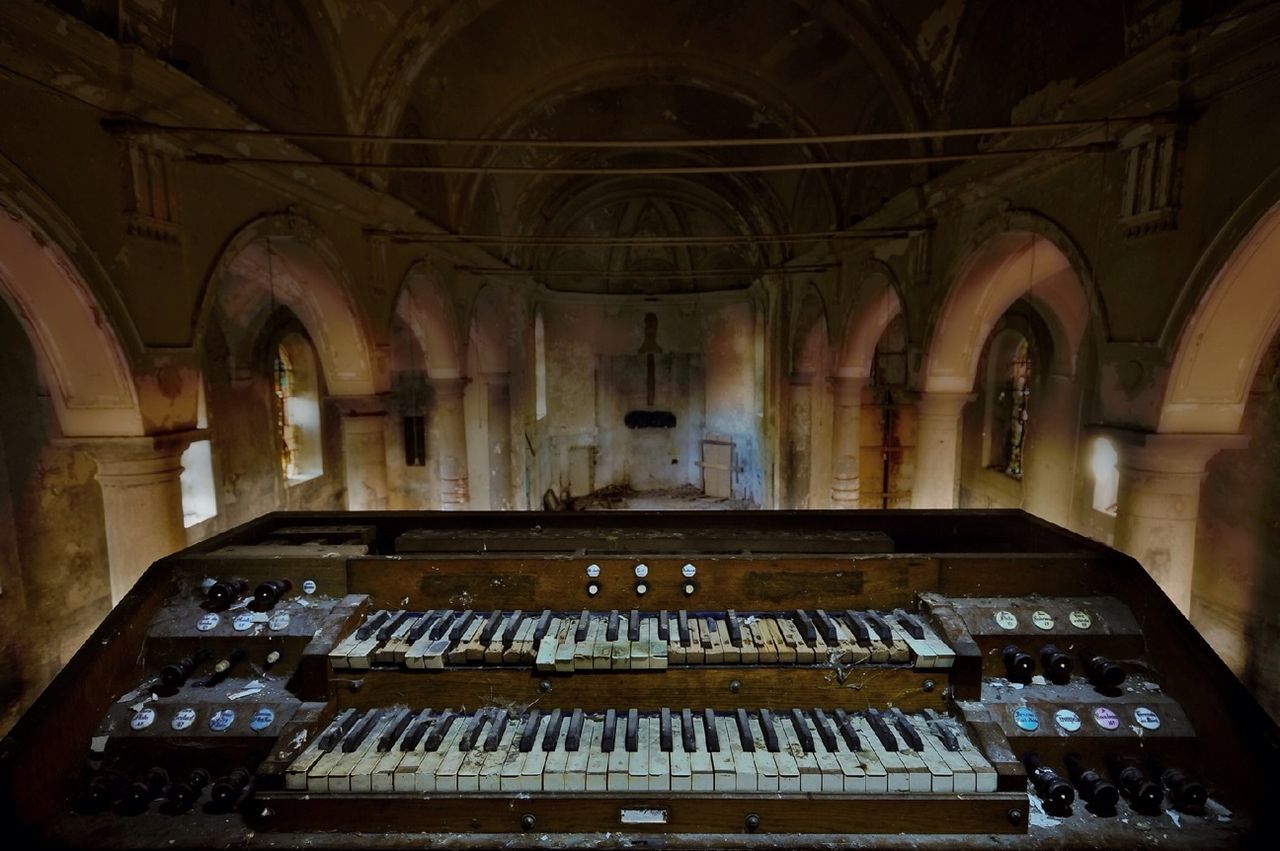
{"type": "Point", "coordinates": [810, 334]}
{"type": "Point", "coordinates": [283, 260]}
{"type": "Point", "coordinates": [426, 307]}
{"type": "Point", "coordinates": [80, 355]}
{"type": "Point", "coordinates": [1224, 339]}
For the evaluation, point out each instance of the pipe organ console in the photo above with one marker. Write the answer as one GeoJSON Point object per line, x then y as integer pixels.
{"type": "Point", "coordinates": [606, 680]}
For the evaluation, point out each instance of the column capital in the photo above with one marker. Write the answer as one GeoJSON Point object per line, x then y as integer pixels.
{"type": "Point", "coordinates": [451, 386]}
{"type": "Point", "coordinates": [1175, 454]}
{"type": "Point", "coordinates": [372, 405]}
{"type": "Point", "coordinates": [943, 405]}
{"type": "Point", "coordinates": [136, 460]}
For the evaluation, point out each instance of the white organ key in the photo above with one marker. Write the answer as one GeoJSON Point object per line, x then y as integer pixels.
{"type": "Point", "coordinates": [597, 759]}
{"type": "Point", "coordinates": [749, 652]}
{"type": "Point", "coordinates": [601, 650]}
{"type": "Point", "coordinates": [545, 658]}
{"type": "Point", "coordinates": [490, 777]}
{"type": "Point", "coordinates": [493, 650]}
{"type": "Point", "coordinates": [807, 762]}
{"type": "Point", "coordinates": [318, 775]}
{"type": "Point", "coordinates": [638, 760]}
{"type": "Point", "coordinates": [744, 777]}
{"type": "Point", "coordinates": [338, 655]}
{"type": "Point", "coordinates": [575, 770]}
{"type": "Point", "coordinates": [701, 767]}
{"type": "Point", "coordinates": [619, 762]}
{"type": "Point", "coordinates": [875, 778]}
{"type": "Point", "coordinates": [565, 645]}
{"type": "Point", "coordinates": [943, 778]}
{"type": "Point", "coordinates": [944, 656]}
{"type": "Point", "coordinates": [784, 758]}
{"type": "Point", "coordinates": [694, 654]}
{"type": "Point", "coordinates": [984, 772]}
{"type": "Point", "coordinates": [675, 650]}
{"type": "Point", "coordinates": [382, 776]}
{"type": "Point", "coordinates": [584, 650]}
{"type": "Point", "coordinates": [474, 760]}
{"type": "Point", "coordinates": [963, 778]}
{"type": "Point", "coordinates": [386, 654]}
{"type": "Point", "coordinates": [921, 650]}
{"type": "Point", "coordinates": [535, 761]}
{"type": "Point", "coordinates": [731, 655]}
{"type": "Point", "coordinates": [852, 767]}
{"type": "Point", "coordinates": [406, 773]}
{"type": "Point", "coordinates": [447, 772]}
{"type": "Point", "coordinates": [640, 649]}
{"type": "Point", "coordinates": [553, 772]}
{"type": "Point", "coordinates": [431, 761]}
{"type": "Point", "coordinates": [511, 774]}
{"type": "Point", "coordinates": [296, 775]}
{"type": "Point", "coordinates": [766, 767]}
{"type": "Point", "coordinates": [828, 765]}
{"type": "Point", "coordinates": [854, 653]}
{"type": "Point", "coordinates": [895, 773]}
{"type": "Point", "coordinates": [458, 652]}
{"type": "Point", "coordinates": [681, 772]}
{"type": "Point", "coordinates": [919, 776]}
{"type": "Point", "coordinates": [521, 652]}
{"type": "Point", "coordinates": [657, 647]}
{"type": "Point", "coordinates": [340, 774]}
{"type": "Point", "coordinates": [713, 651]}
{"type": "Point", "coordinates": [659, 760]}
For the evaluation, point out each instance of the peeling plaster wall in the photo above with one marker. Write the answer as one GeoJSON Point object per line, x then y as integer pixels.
{"type": "Point", "coordinates": [55, 579]}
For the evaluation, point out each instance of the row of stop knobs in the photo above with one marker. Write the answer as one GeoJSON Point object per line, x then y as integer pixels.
{"type": "Point", "coordinates": [1144, 789]}
{"type": "Point", "coordinates": [1057, 666]}
{"type": "Point", "coordinates": [133, 795]}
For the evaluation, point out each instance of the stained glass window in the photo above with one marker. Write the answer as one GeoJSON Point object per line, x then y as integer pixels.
{"type": "Point", "coordinates": [285, 386]}
{"type": "Point", "coordinates": [1016, 396]}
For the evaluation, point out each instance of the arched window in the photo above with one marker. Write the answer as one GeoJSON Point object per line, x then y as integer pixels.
{"type": "Point", "coordinates": [1104, 462]}
{"type": "Point", "coordinates": [1009, 396]}
{"type": "Point", "coordinates": [540, 366]}
{"type": "Point", "coordinates": [297, 409]}
{"type": "Point", "coordinates": [199, 498]}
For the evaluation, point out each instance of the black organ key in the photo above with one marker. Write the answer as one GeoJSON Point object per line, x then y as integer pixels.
{"type": "Point", "coordinates": [744, 730]}
{"type": "Point", "coordinates": [460, 625]}
{"type": "Point", "coordinates": [421, 625]}
{"type": "Point", "coordinates": [945, 734]}
{"type": "Point", "coordinates": [664, 626]}
{"type": "Point", "coordinates": [734, 627]}
{"type": "Point", "coordinates": [611, 629]}
{"type": "Point", "coordinates": [711, 629]}
{"type": "Point", "coordinates": [417, 731]}
{"type": "Point", "coordinates": [805, 624]}
{"type": "Point", "coordinates": [610, 734]}
{"type": "Point", "coordinates": [491, 626]}
{"type": "Point", "coordinates": [474, 727]}
{"type": "Point", "coordinates": [770, 731]}
{"type": "Point", "coordinates": [826, 626]}
{"type": "Point", "coordinates": [879, 626]}
{"type": "Point", "coordinates": [633, 730]}
{"type": "Point", "coordinates": [337, 729]}
{"type": "Point", "coordinates": [393, 624]}
{"type": "Point", "coordinates": [664, 729]}
{"type": "Point", "coordinates": [530, 731]}
{"type": "Point", "coordinates": [906, 729]}
{"type": "Point", "coordinates": [688, 739]}
{"type": "Point", "coordinates": [910, 623]}
{"type": "Point", "coordinates": [441, 625]}
{"type": "Point", "coordinates": [573, 738]}
{"type": "Point", "coordinates": [494, 738]}
{"type": "Point", "coordinates": [876, 722]}
{"type": "Point", "coordinates": [552, 735]}
{"type": "Point", "coordinates": [513, 625]}
{"type": "Point", "coordinates": [399, 723]}
{"type": "Point", "coordinates": [544, 623]}
{"type": "Point", "coordinates": [859, 627]}
{"type": "Point", "coordinates": [584, 621]}
{"type": "Point", "coordinates": [825, 731]}
{"type": "Point", "coordinates": [682, 624]}
{"type": "Point", "coordinates": [802, 730]}
{"type": "Point", "coordinates": [360, 732]}
{"type": "Point", "coordinates": [845, 725]}
{"type": "Point", "coordinates": [439, 730]}
{"type": "Point", "coordinates": [369, 626]}
{"type": "Point", "coordinates": [633, 626]}
{"type": "Point", "coordinates": [709, 728]}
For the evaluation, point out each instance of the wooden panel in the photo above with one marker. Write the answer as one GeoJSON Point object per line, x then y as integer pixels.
{"type": "Point", "coordinates": [704, 687]}
{"type": "Point", "coordinates": [687, 813]}
{"type": "Point", "coordinates": [722, 582]}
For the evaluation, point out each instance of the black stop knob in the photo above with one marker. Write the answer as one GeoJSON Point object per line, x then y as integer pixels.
{"type": "Point", "coordinates": [1102, 672]}
{"type": "Point", "coordinates": [1056, 664]}
{"type": "Point", "coordinates": [226, 591]}
{"type": "Point", "coordinates": [268, 593]}
{"type": "Point", "coordinates": [1017, 663]}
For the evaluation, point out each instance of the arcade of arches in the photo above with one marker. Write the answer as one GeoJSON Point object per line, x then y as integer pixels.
{"type": "Point", "coordinates": [1074, 311]}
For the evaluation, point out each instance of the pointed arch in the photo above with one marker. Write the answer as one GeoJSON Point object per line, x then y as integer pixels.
{"type": "Point", "coordinates": [1226, 336]}
{"type": "Point", "coordinates": [810, 341]}
{"type": "Point", "coordinates": [876, 305]}
{"type": "Point", "coordinates": [284, 260]}
{"type": "Point", "coordinates": [79, 352]}
{"type": "Point", "coordinates": [490, 331]}
{"type": "Point", "coordinates": [427, 308]}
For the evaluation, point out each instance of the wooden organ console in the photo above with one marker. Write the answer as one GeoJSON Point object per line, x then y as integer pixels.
{"type": "Point", "coordinates": [908, 679]}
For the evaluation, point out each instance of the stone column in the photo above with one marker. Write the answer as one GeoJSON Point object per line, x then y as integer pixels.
{"type": "Point", "coordinates": [141, 501]}
{"type": "Point", "coordinates": [937, 481]}
{"type": "Point", "coordinates": [499, 391]}
{"type": "Point", "coordinates": [364, 452]}
{"type": "Point", "coordinates": [846, 430]}
{"type": "Point", "coordinates": [799, 437]}
{"type": "Point", "coordinates": [1159, 501]}
{"type": "Point", "coordinates": [451, 454]}
{"type": "Point", "coordinates": [1052, 446]}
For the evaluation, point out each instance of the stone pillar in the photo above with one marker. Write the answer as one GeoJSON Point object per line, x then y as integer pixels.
{"type": "Point", "coordinates": [846, 430]}
{"type": "Point", "coordinates": [1052, 446]}
{"type": "Point", "coordinates": [451, 454]}
{"type": "Point", "coordinates": [499, 391]}
{"type": "Point", "coordinates": [364, 452]}
{"type": "Point", "coordinates": [937, 481]}
{"type": "Point", "coordinates": [141, 501]}
{"type": "Point", "coordinates": [1159, 501]}
{"type": "Point", "coordinates": [799, 438]}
